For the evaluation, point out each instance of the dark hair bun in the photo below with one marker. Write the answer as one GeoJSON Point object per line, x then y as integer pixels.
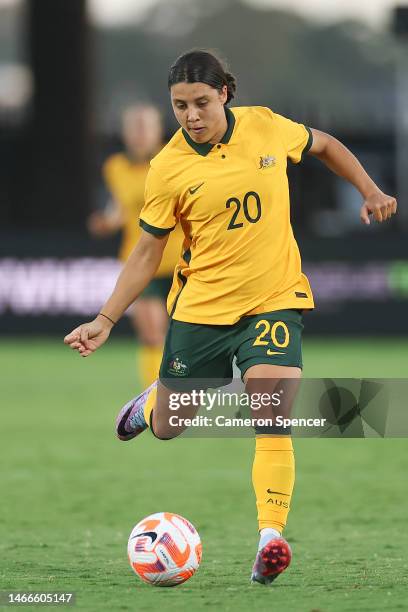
{"type": "Point", "coordinates": [231, 85]}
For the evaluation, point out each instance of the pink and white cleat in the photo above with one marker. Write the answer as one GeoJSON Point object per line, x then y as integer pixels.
{"type": "Point", "coordinates": [130, 421]}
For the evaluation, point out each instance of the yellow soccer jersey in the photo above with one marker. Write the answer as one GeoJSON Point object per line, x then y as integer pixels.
{"type": "Point", "coordinates": [232, 201]}
{"type": "Point", "coordinates": [125, 180]}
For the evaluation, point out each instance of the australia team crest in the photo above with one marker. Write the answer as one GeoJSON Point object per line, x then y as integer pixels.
{"type": "Point", "coordinates": [267, 161]}
{"type": "Point", "coordinates": [177, 367]}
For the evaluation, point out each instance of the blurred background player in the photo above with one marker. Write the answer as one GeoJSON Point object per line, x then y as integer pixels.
{"type": "Point", "coordinates": [124, 175]}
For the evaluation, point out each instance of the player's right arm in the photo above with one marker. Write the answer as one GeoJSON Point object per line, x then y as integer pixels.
{"type": "Point", "coordinates": [136, 274]}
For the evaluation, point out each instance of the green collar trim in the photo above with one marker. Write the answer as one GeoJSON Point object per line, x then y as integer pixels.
{"type": "Point", "coordinates": [205, 147]}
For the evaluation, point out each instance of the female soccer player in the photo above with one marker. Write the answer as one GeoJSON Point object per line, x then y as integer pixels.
{"type": "Point", "coordinates": [239, 290]}
{"type": "Point", "coordinates": [124, 175]}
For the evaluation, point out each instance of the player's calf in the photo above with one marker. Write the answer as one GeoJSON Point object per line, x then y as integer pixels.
{"type": "Point", "coordinates": [166, 421]}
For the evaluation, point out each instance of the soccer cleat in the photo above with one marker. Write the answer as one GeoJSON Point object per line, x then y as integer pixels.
{"type": "Point", "coordinates": [130, 421]}
{"type": "Point", "coordinates": [271, 561]}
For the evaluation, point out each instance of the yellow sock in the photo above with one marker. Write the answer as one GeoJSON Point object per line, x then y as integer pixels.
{"type": "Point", "coordinates": [149, 405]}
{"type": "Point", "coordinates": [149, 363]}
{"type": "Point", "coordinates": [273, 477]}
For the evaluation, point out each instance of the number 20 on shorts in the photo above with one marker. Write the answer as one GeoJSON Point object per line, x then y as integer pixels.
{"type": "Point", "coordinates": [266, 329]}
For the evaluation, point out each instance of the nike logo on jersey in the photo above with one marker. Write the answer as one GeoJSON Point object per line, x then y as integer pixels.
{"type": "Point", "coordinates": [269, 352]}
{"type": "Point", "coordinates": [276, 492]}
{"type": "Point", "coordinates": [192, 190]}
{"type": "Point", "coordinates": [150, 534]}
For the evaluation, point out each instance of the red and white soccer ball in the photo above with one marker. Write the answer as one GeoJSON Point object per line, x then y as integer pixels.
{"type": "Point", "coordinates": [164, 549]}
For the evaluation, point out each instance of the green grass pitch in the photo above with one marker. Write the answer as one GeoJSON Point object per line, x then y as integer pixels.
{"type": "Point", "coordinates": [71, 492]}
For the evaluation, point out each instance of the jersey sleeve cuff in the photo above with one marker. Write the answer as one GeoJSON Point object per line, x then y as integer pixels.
{"type": "Point", "coordinates": [308, 144]}
{"type": "Point", "coordinates": [156, 231]}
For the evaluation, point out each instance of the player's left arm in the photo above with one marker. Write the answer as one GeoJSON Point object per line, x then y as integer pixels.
{"type": "Point", "coordinates": [343, 163]}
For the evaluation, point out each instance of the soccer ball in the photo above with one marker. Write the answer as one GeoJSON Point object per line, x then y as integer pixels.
{"type": "Point", "coordinates": [164, 549]}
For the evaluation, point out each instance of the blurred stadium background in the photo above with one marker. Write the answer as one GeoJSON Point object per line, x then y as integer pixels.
{"type": "Point", "coordinates": [71, 492]}
{"type": "Point", "coordinates": [67, 69]}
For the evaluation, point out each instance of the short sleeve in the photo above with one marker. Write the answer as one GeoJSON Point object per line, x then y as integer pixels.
{"type": "Point", "coordinates": [296, 137]}
{"type": "Point", "coordinates": [158, 215]}
{"type": "Point", "coordinates": [112, 174]}
{"type": "Point", "coordinates": [108, 175]}
{"type": "Point", "coordinates": [107, 191]}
